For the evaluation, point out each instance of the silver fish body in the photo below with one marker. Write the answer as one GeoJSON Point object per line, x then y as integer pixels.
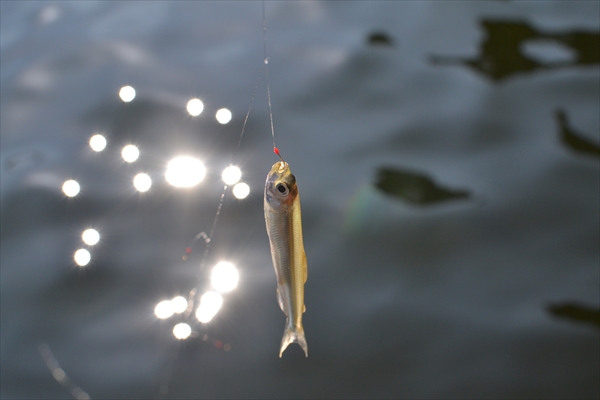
{"type": "Point", "coordinates": [284, 227]}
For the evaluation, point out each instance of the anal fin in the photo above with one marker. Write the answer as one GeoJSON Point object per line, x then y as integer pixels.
{"type": "Point", "coordinates": [280, 301]}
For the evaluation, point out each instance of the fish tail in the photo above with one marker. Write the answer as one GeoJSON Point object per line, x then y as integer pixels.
{"type": "Point", "coordinates": [293, 335]}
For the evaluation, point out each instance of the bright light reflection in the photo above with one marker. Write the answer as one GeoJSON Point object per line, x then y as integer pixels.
{"type": "Point", "coordinates": [231, 175]}
{"type": "Point", "coordinates": [210, 303]}
{"type": "Point", "coordinates": [127, 93]}
{"type": "Point", "coordinates": [224, 277]}
{"type": "Point", "coordinates": [182, 330]}
{"type": "Point", "coordinates": [70, 188]}
{"type": "Point", "coordinates": [142, 182]}
{"type": "Point", "coordinates": [241, 190]}
{"type": "Point", "coordinates": [195, 107]}
{"type": "Point", "coordinates": [59, 374]}
{"type": "Point", "coordinates": [179, 304]}
{"type": "Point", "coordinates": [185, 171]}
{"type": "Point", "coordinates": [130, 153]}
{"type": "Point", "coordinates": [223, 116]}
{"type": "Point", "coordinates": [164, 309]}
{"type": "Point", "coordinates": [82, 257]}
{"type": "Point", "coordinates": [90, 237]}
{"type": "Point", "coordinates": [98, 142]}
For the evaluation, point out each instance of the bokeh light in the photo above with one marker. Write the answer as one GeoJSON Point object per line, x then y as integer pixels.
{"type": "Point", "coordinates": [231, 175]}
{"type": "Point", "coordinates": [224, 277]}
{"type": "Point", "coordinates": [185, 171]}
{"type": "Point", "coordinates": [98, 142]}
{"type": "Point", "coordinates": [241, 190]}
{"type": "Point", "coordinates": [179, 304]}
{"type": "Point", "coordinates": [127, 93]}
{"type": "Point", "coordinates": [195, 107]}
{"type": "Point", "coordinates": [82, 257]}
{"type": "Point", "coordinates": [130, 153]}
{"type": "Point", "coordinates": [90, 237]}
{"type": "Point", "coordinates": [164, 309]}
{"type": "Point", "coordinates": [182, 330]}
{"type": "Point", "coordinates": [142, 182]}
{"type": "Point", "coordinates": [223, 116]}
{"type": "Point", "coordinates": [70, 188]}
{"type": "Point", "coordinates": [59, 374]}
{"type": "Point", "coordinates": [210, 303]}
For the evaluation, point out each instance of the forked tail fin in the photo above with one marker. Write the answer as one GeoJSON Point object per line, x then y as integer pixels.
{"type": "Point", "coordinates": [291, 335]}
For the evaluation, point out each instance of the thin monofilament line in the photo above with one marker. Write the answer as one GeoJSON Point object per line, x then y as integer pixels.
{"type": "Point", "coordinates": [246, 119]}
{"type": "Point", "coordinates": [267, 71]}
{"type": "Point", "coordinates": [208, 238]}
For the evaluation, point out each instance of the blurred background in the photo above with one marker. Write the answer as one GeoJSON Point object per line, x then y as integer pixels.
{"type": "Point", "coordinates": [447, 155]}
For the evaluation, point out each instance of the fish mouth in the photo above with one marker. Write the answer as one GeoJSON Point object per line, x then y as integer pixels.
{"type": "Point", "coordinates": [279, 169]}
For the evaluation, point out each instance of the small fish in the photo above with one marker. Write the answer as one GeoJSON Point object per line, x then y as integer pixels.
{"type": "Point", "coordinates": [284, 227]}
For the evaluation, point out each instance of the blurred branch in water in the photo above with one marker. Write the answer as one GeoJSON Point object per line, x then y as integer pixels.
{"type": "Point", "coordinates": [414, 187]}
{"type": "Point", "coordinates": [573, 140]}
{"type": "Point", "coordinates": [575, 312]}
{"type": "Point", "coordinates": [503, 53]}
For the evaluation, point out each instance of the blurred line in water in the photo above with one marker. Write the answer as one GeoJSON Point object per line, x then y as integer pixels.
{"type": "Point", "coordinates": [59, 374]}
{"type": "Point", "coordinates": [414, 187]}
{"type": "Point", "coordinates": [573, 140]}
{"type": "Point", "coordinates": [501, 53]}
{"type": "Point", "coordinates": [576, 313]}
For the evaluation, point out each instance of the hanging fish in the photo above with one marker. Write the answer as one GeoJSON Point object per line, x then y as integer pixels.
{"type": "Point", "coordinates": [284, 227]}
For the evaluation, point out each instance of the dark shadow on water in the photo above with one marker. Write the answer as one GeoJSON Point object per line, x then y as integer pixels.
{"type": "Point", "coordinates": [572, 139]}
{"type": "Point", "coordinates": [576, 313]}
{"type": "Point", "coordinates": [501, 53]}
{"type": "Point", "coordinates": [414, 187]}
{"type": "Point", "coordinates": [379, 38]}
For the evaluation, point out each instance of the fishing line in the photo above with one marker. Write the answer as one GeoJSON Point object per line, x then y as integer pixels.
{"type": "Point", "coordinates": [207, 238]}
{"type": "Point", "coordinates": [202, 235]}
{"type": "Point", "coordinates": [266, 59]}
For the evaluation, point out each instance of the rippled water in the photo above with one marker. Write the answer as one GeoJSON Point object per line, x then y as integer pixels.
{"type": "Point", "coordinates": [447, 155]}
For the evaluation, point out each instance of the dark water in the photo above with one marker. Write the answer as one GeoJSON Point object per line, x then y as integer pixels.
{"type": "Point", "coordinates": [447, 155]}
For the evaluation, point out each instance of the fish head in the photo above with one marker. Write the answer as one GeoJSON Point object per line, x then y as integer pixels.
{"type": "Point", "coordinates": [280, 188]}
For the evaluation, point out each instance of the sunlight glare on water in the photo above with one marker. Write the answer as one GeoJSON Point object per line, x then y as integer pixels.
{"type": "Point", "coordinates": [224, 277]}
{"type": "Point", "coordinates": [164, 309]}
{"type": "Point", "coordinates": [231, 175]}
{"type": "Point", "coordinates": [90, 237]}
{"type": "Point", "coordinates": [223, 116]}
{"type": "Point", "coordinates": [179, 304]}
{"type": "Point", "coordinates": [185, 171]}
{"type": "Point", "coordinates": [82, 257]}
{"type": "Point", "coordinates": [127, 93]}
{"type": "Point", "coordinates": [98, 142]}
{"type": "Point", "coordinates": [182, 330]}
{"type": "Point", "coordinates": [195, 107]}
{"type": "Point", "coordinates": [142, 182]}
{"type": "Point", "coordinates": [210, 303]}
{"type": "Point", "coordinates": [70, 188]}
{"type": "Point", "coordinates": [241, 190]}
{"type": "Point", "coordinates": [130, 153]}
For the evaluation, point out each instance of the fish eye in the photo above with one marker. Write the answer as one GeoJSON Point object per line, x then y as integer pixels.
{"type": "Point", "coordinates": [281, 188]}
